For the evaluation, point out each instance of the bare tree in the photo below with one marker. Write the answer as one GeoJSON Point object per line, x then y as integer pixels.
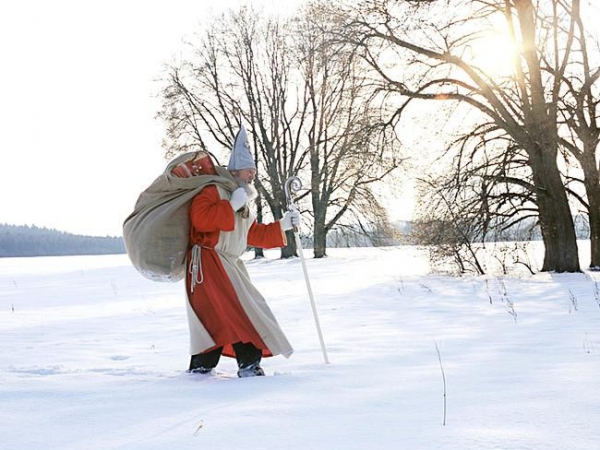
{"type": "Point", "coordinates": [309, 110]}
{"type": "Point", "coordinates": [447, 226]}
{"type": "Point", "coordinates": [578, 105]}
{"type": "Point", "coordinates": [351, 146]}
{"type": "Point", "coordinates": [239, 72]}
{"type": "Point", "coordinates": [520, 109]}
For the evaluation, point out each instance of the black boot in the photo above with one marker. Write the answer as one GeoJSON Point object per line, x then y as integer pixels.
{"type": "Point", "coordinates": [205, 362]}
{"type": "Point", "coordinates": [253, 370]}
{"type": "Point", "coordinates": [248, 359]}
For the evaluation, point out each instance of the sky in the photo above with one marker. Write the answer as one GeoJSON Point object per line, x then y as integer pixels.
{"type": "Point", "coordinates": [106, 370]}
{"type": "Point", "coordinates": [78, 135]}
{"type": "Point", "coordinates": [79, 139]}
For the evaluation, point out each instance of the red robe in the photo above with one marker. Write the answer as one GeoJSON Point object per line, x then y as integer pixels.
{"type": "Point", "coordinates": [215, 300]}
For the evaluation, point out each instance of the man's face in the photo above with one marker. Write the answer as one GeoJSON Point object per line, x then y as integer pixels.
{"type": "Point", "coordinates": [244, 175]}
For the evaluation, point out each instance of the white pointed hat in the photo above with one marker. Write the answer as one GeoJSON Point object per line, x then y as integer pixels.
{"type": "Point", "coordinates": [241, 157]}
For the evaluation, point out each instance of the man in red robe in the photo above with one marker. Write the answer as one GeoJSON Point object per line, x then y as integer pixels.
{"type": "Point", "coordinates": [227, 315]}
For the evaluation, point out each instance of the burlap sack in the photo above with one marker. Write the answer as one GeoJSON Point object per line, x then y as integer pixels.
{"type": "Point", "coordinates": [156, 233]}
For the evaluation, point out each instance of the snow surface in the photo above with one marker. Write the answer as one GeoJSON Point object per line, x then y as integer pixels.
{"type": "Point", "coordinates": [93, 356]}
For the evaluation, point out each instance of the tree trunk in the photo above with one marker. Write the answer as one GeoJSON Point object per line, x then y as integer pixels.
{"type": "Point", "coordinates": [320, 241]}
{"type": "Point", "coordinates": [319, 204]}
{"type": "Point", "coordinates": [594, 218]}
{"type": "Point", "coordinates": [592, 188]}
{"type": "Point", "coordinates": [290, 249]}
{"type": "Point", "coordinates": [556, 220]}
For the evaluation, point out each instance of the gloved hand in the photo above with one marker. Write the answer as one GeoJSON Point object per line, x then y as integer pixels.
{"type": "Point", "coordinates": [290, 219]}
{"type": "Point", "coordinates": [238, 199]}
{"type": "Point", "coordinates": [181, 171]}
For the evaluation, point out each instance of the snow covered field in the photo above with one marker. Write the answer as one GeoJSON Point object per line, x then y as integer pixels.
{"type": "Point", "coordinates": [93, 356]}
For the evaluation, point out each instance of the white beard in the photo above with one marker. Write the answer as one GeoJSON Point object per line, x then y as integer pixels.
{"type": "Point", "coordinates": [250, 190]}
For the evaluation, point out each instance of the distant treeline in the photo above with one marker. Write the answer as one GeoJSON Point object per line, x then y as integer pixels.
{"type": "Point", "coordinates": [17, 240]}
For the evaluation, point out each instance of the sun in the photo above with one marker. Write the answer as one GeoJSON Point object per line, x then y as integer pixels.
{"type": "Point", "coordinates": [493, 54]}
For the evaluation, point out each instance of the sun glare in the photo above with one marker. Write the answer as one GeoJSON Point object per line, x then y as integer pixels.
{"type": "Point", "coordinates": [495, 55]}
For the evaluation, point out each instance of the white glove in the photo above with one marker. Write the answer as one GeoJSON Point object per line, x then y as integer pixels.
{"type": "Point", "coordinates": [290, 219]}
{"type": "Point", "coordinates": [238, 198]}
